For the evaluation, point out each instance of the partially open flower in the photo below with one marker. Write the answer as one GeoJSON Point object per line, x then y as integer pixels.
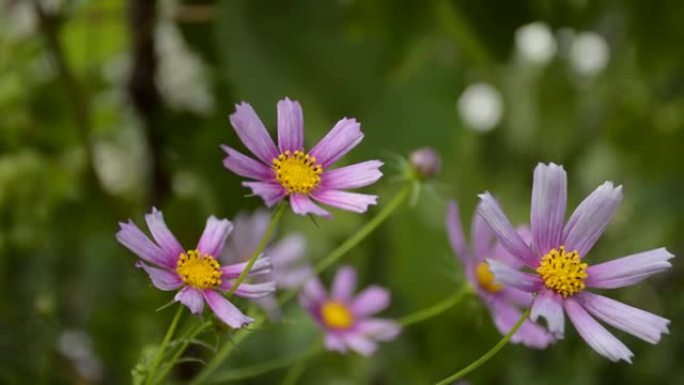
{"type": "Point", "coordinates": [346, 319]}
{"type": "Point", "coordinates": [426, 163]}
{"type": "Point", "coordinates": [196, 272]}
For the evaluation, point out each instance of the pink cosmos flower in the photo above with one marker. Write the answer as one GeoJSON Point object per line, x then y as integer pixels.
{"type": "Point", "coordinates": [290, 269]}
{"type": "Point", "coordinates": [504, 302]}
{"type": "Point", "coordinates": [195, 272]}
{"type": "Point", "coordinates": [288, 171]}
{"type": "Point", "coordinates": [347, 320]}
{"type": "Point", "coordinates": [556, 273]}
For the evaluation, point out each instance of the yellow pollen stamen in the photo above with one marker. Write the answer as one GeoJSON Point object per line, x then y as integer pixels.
{"type": "Point", "coordinates": [486, 278]}
{"type": "Point", "coordinates": [564, 272]}
{"type": "Point", "coordinates": [336, 315]}
{"type": "Point", "coordinates": [297, 172]}
{"type": "Point", "coordinates": [200, 271]}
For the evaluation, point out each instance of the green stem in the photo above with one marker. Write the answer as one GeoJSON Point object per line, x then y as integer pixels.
{"type": "Point", "coordinates": [435, 310]}
{"type": "Point", "coordinates": [259, 369]}
{"type": "Point", "coordinates": [355, 239]}
{"type": "Point", "coordinates": [262, 245]}
{"type": "Point", "coordinates": [475, 364]}
{"type": "Point", "coordinates": [192, 333]}
{"type": "Point", "coordinates": [224, 352]}
{"type": "Point", "coordinates": [294, 373]}
{"type": "Point", "coordinates": [328, 260]}
{"type": "Point", "coordinates": [162, 348]}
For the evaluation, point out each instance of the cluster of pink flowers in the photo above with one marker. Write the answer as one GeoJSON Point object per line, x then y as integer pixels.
{"type": "Point", "coordinates": [540, 267]}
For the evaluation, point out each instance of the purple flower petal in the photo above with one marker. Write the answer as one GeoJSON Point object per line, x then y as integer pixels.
{"type": "Point", "coordinates": [596, 335]}
{"type": "Point", "coordinates": [312, 294]}
{"type": "Point", "coordinates": [261, 266]}
{"type": "Point", "coordinates": [505, 317]}
{"type": "Point", "coordinates": [549, 196]}
{"type": "Point", "coordinates": [456, 237]}
{"type": "Point", "coordinates": [343, 137]}
{"type": "Point", "coordinates": [250, 290]}
{"type": "Point", "coordinates": [627, 271]}
{"type": "Point", "coordinates": [334, 342]}
{"type": "Point", "coordinates": [271, 193]}
{"type": "Point", "coordinates": [370, 301]}
{"type": "Point", "coordinates": [344, 284]}
{"type": "Point", "coordinates": [355, 202]}
{"type": "Point", "coordinates": [517, 297]}
{"type": "Point", "coordinates": [287, 251]}
{"type": "Point", "coordinates": [500, 253]}
{"type": "Point", "coordinates": [162, 279]}
{"type": "Point", "coordinates": [482, 238]}
{"type": "Point", "coordinates": [192, 298]}
{"type": "Point", "coordinates": [379, 329]}
{"type": "Point", "coordinates": [246, 236]}
{"type": "Point", "coordinates": [639, 323]}
{"type": "Point", "coordinates": [491, 212]}
{"type": "Point", "coordinates": [549, 305]}
{"type": "Point", "coordinates": [353, 176]}
{"type": "Point", "coordinates": [226, 311]}
{"type": "Point", "coordinates": [294, 278]}
{"type": "Point", "coordinates": [302, 205]}
{"type": "Point", "coordinates": [245, 166]}
{"type": "Point", "coordinates": [136, 241]}
{"type": "Point", "coordinates": [252, 133]}
{"type": "Point", "coordinates": [509, 276]}
{"type": "Point", "coordinates": [290, 126]}
{"type": "Point", "coordinates": [214, 236]}
{"type": "Point", "coordinates": [162, 235]}
{"type": "Point", "coordinates": [360, 344]}
{"type": "Point", "coordinates": [591, 217]}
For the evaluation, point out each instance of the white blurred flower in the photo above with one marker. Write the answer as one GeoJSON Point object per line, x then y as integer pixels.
{"type": "Point", "coordinates": [117, 167]}
{"type": "Point", "coordinates": [589, 53]}
{"type": "Point", "coordinates": [18, 19]}
{"type": "Point", "coordinates": [535, 43]}
{"type": "Point", "coordinates": [76, 346]}
{"type": "Point", "coordinates": [480, 106]}
{"type": "Point", "coordinates": [182, 76]}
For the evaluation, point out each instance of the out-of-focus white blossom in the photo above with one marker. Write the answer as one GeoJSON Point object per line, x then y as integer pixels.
{"type": "Point", "coordinates": [480, 106]}
{"type": "Point", "coordinates": [589, 53]}
{"type": "Point", "coordinates": [182, 76]}
{"type": "Point", "coordinates": [535, 43]}
{"type": "Point", "coordinates": [76, 346]}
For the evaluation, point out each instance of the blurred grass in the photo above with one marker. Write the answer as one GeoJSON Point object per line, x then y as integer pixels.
{"type": "Point", "coordinates": [398, 67]}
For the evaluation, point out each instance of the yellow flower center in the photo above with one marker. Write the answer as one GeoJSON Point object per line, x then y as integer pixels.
{"type": "Point", "coordinates": [297, 172]}
{"type": "Point", "coordinates": [563, 272]}
{"type": "Point", "coordinates": [486, 278]}
{"type": "Point", "coordinates": [336, 315]}
{"type": "Point", "coordinates": [200, 271]}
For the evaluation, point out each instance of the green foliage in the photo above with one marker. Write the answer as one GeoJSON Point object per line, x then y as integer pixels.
{"type": "Point", "coordinates": [399, 68]}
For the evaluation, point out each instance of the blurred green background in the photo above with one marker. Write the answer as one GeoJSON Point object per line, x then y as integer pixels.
{"type": "Point", "coordinates": [109, 107]}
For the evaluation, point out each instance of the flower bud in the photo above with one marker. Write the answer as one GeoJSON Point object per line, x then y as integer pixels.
{"type": "Point", "coordinates": [426, 163]}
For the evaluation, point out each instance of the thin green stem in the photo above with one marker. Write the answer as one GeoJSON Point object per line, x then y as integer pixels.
{"type": "Point", "coordinates": [192, 333]}
{"type": "Point", "coordinates": [355, 239]}
{"type": "Point", "coordinates": [436, 309]}
{"type": "Point", "coordinates": [224, 352]}
{"type": "Point", "coordinates": [364, 231]}
{"type": "Point", "coordinates": [294, 373]}
{"type": "Point", "coordinates": [262, 245]}
{"type": "Point", "coordinates": [265, 367]}
{"type": "Point", "coordinates": [162, 348]}
{"type": "Point", "coordinates": [476, 364]}
{"type": "Point", "coordinates": [328, 260]}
